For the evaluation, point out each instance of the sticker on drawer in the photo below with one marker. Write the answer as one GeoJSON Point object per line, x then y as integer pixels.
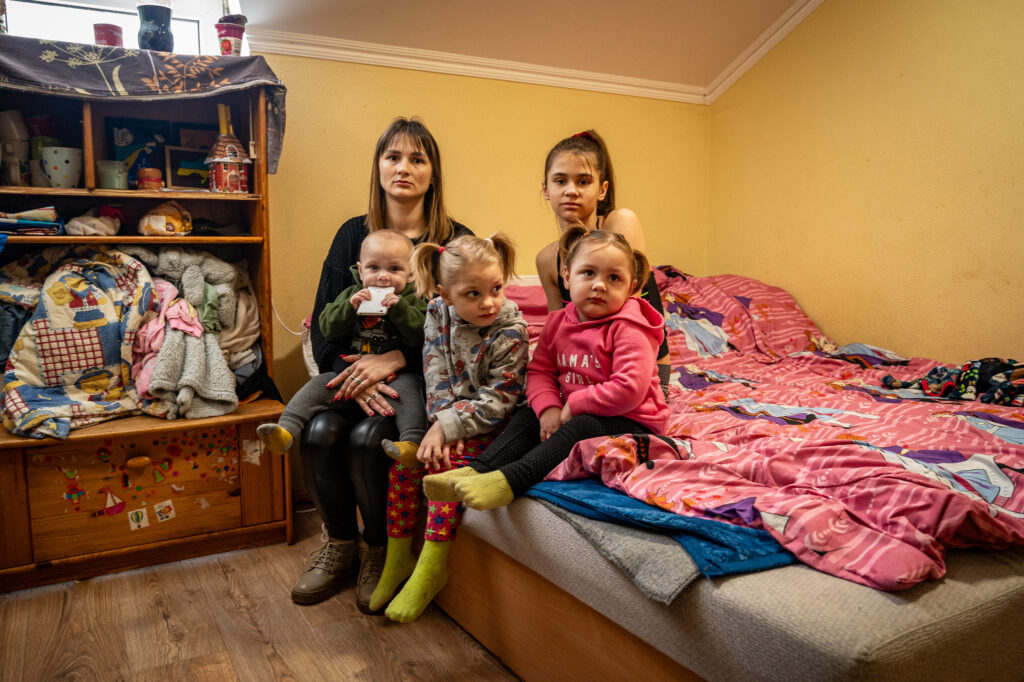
{"type": "Point", "coordinates": [138, 518]}
{"type": "Point", "coordinates": [251, 451]}
{"type": "Point", "coordinates": [164, 510]}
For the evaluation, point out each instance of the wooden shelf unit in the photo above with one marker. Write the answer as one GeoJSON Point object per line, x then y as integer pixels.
{"type": "Point", "coordinates": [136, 491]}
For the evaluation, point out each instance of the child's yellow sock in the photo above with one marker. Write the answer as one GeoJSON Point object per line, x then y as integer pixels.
{"type": "Point", "coordinates": [403, 452]}
{"type": "Point", "coordinates": [426, 581]}
{"type": "Point", "coordinates": [441, 487]}
{"type": "Point", "coordinates": [486, 491]}
{"type": "Point", "coordinates": [398, 565]}
{"type": "Point", "coordinates": [275, 437]}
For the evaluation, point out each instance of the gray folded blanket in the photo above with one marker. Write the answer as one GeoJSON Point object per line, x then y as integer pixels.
{"type": "Point", "coordinates": [657, 564]}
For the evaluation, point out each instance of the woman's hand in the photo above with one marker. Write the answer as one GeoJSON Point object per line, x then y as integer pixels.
{"type": "Point", "coordinates": [365, 381]}
{"type": "Point", "coordinates": [550, 421]}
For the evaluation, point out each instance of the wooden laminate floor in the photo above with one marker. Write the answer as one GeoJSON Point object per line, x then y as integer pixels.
{"type": "Point", "coordinates": [224, 617]}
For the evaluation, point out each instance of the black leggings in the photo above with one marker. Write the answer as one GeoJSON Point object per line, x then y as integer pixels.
{"type": "Point", "coordinates": [519, 454]}
{"type": "Point", "coordinates": [346, 468]}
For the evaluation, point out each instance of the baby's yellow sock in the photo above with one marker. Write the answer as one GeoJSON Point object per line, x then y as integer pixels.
{"type": "Point", "coordinates": [486, 491]}
{"type": "Point", "coordinates": [398, 565]}
{"type": "Point", "coordinates": [274, 437]}
{"type": "Point", "coordinates": [440, 487]}
{"type": "Point", "coordinates": [403, 452]}
{"type": "Point", "coordinates": [426, 581]}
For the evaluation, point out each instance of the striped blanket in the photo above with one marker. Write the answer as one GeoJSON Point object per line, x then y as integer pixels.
{"type": "Point", "coordinates": [776, 427]}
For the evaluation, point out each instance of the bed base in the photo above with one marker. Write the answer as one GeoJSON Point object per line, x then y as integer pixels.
{"type": "Point", "coordinates": [537, 629]}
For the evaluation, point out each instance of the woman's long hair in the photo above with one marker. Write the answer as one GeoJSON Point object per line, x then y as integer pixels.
{"type": "Point", "coordinates": [439, 224]}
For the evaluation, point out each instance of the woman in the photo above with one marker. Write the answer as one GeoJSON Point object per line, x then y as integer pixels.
{"type": "Point", "coordinates": [344, 464]}
{"type": "Point", "coordinates": [580, 186]}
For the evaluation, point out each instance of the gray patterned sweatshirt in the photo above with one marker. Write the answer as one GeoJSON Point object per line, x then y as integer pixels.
{"type": "Point", "coordinates": [475, 376]}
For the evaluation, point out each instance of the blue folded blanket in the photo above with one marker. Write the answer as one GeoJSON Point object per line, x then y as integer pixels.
{"type": "Point", "coordinates": [718, 548]}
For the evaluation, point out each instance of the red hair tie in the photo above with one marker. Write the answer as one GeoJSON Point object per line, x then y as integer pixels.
{"type": "Point", "coordinates": [440, 249]}
{"type": "Point", "coordinates": [587, 134]}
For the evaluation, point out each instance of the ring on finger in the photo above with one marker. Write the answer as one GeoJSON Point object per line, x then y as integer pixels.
{"type": "Point", "coordinates": [358, 381]}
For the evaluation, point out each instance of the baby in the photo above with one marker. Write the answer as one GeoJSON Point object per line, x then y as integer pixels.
{"type": "Point", "coordinates": [384, 261]}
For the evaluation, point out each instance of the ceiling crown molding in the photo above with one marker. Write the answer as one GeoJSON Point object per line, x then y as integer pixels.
{"type": "Point", "coordinates": [339, 49]}
{"type": "Point", "coordinates": [760, 47]}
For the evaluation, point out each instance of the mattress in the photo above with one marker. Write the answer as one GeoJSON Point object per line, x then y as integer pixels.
{"type": "Point", "coordinates": [792, 622]}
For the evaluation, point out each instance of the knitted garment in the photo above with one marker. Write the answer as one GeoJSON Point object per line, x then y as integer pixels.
{"type": "Point", "coordinates": [191, 378]}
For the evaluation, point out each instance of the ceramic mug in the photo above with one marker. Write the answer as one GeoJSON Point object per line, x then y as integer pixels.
{"type": "Point", "coordinates": [112, 174]}
{"type": "Point", "coordinates": [107, 34]}
{"type": "Point", "coordinates": [230, 37]}
{"type": "Point", "coordinates": [62, 166]}
{"type": "Point", "coordinates": [12, 125]}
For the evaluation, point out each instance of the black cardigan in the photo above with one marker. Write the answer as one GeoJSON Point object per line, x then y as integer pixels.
{"type": "Point", "coordinates": [336, 276]}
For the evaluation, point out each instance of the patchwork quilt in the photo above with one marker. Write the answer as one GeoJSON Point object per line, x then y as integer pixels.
{"type": "Point", "coordinates": [70, 363]}
{"type": "Point", "coordinates": [776, 427]}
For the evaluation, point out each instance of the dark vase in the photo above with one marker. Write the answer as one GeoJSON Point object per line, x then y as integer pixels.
{"type": "Point", "coordinates": [155, 28]}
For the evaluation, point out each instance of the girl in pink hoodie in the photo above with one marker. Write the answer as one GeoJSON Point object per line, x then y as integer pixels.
{"type": "Point", "coordinates": [592, 374]}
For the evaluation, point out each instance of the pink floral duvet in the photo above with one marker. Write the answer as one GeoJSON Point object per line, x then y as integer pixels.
{"type": "Point", "coordinates": [775, 427]}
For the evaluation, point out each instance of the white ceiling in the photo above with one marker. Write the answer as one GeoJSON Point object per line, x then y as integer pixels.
{"type": "Point", "coordinates": [694, 44]}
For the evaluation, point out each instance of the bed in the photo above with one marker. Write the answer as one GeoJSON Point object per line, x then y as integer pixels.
{"type": "Point", "coordinates": [893, 487]}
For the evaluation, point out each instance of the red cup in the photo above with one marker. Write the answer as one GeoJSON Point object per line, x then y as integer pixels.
{"type": "Point", "coordinates": [230, 36]}
{"type": "Point", "coordinates": [107, 34]}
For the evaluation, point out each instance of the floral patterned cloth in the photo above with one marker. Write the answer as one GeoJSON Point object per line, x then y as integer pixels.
{"type": "Point", "coordinates": [96, 71]}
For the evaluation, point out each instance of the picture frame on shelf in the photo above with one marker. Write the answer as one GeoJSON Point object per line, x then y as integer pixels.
{"type": "Point", "coordinates": [138, 142]}
{"type": "Point", "coordinates": [185, 168]}
{"type": "Point", "coordinates": [194, 135]}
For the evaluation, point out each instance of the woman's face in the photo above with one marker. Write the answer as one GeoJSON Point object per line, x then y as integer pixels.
{"type": "Point", "coordinates": [573, 189]}
{"type": "Point", "coordinates": [405, 171]}
{"type": "Point", "coordinates": [600, 280]}
{"type": "Point", "coordinates": [477, 294]}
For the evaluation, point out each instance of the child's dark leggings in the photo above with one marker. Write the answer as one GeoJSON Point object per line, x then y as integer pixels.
{"type": "Point", "coordinates": [519, 454]}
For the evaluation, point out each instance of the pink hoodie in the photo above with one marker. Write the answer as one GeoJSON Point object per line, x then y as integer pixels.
{"type": "Point", "coordinates": [605, 367]}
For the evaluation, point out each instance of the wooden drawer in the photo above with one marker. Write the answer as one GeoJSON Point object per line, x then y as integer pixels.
{"type": "Point", "coordinates": [106, 494]}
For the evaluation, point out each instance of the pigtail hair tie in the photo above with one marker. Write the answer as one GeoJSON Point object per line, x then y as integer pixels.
{"type": "Point", "coordinates": [440, 249]}
{"type": "Point", "coordinates": [587, 134]}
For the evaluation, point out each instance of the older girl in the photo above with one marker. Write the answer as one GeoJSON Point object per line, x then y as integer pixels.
{"type": "Point", "coordinates": [474, 360]}
{"type": "Point", "coordinates": [580, 186]}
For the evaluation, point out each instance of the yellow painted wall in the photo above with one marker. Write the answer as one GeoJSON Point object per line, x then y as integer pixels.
{"type": "Point", "coordinates": [871, 164]}
{"type": "Point", "coordinates": [493, 136]}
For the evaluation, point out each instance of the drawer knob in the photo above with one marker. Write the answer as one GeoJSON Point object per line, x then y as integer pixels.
{"type": "Point", "coordinates": [137, 464]}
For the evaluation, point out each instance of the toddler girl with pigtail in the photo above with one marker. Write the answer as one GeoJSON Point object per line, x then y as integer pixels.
{"type": "Point", "coordinates": [474, 366]}
{"type": "Point", "coordinates": [593, 373]}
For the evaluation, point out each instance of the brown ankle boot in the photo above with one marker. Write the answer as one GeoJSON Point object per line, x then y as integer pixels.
{"type": "Point", "coordinates": [372, 565]}
{"type": "Point", "coordinates": [331, 565]}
